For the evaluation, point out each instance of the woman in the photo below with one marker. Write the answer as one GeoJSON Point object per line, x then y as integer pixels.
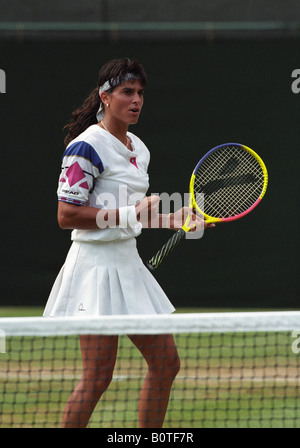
{"type": "Point", "coordinates": [102, 199]}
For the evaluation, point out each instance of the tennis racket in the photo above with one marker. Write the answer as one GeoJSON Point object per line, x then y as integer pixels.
{"type": "Point", "coordinates": [232, 179]}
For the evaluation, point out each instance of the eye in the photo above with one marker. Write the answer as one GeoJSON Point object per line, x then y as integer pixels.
{"type": "Point", "coordinates": [128, 91]}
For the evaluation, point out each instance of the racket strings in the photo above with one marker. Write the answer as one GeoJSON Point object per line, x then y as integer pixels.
{"type": "Point", "coordinates": [230, 202]}
{"type": "Point", "coordinates": [227, 199]}
{"type": "Point", "coordinates": [231, 180]}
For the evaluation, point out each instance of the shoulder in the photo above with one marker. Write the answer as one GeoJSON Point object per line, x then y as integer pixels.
{"type": "Point", "coordinates": [84, 147]}
{"type": "Point", "coordinates": [93, 136]}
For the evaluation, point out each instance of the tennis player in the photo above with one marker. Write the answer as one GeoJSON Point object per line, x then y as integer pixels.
{"type": "Point", "coordinates": [102, 198]}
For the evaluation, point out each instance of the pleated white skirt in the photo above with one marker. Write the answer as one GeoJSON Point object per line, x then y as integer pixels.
{"type": "Point", "coordinates": [107, 278]}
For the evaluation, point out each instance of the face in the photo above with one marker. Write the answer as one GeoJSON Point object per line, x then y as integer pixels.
{"type": "Point", "coordinates": [125, 102]}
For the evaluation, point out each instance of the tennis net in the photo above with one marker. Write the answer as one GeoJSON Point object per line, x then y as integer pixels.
{"type": "Point", "coordinates": [237, 370]}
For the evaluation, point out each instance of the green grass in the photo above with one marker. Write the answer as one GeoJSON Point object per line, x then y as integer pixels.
{"type": "Point", "coordinates": [30, 311]}
{"type": "Point", "coordinates": [230, 380]}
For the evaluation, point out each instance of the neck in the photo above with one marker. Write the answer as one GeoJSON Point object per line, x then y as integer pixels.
{"type": "Point", "coordinates": [117, 129]}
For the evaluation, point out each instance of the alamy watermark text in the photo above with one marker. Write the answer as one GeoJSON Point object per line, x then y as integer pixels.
{"type": "Point", "coordinates": [2, 81]}
{"type": "Point", "coordinates": [296, 83]}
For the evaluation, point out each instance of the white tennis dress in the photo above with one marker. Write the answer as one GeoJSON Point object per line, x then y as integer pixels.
{"type": "Point", "coordinates": [103, 273]}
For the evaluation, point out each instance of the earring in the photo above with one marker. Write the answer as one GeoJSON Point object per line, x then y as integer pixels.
{"type": "Point", "coordinates": [107, 105]}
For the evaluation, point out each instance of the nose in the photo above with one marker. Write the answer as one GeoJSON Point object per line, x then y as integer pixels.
{"type": "Point", "coordinates": [137, 99]}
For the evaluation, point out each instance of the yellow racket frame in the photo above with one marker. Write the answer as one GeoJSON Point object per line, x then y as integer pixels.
{"type": "Point", "coordinates": [212, 219]}
{"type": "Point", "coordinates": [156, 260]}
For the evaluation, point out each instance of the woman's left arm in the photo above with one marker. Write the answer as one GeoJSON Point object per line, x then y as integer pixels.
{"type": "Point", "coordinates": [177, 219]}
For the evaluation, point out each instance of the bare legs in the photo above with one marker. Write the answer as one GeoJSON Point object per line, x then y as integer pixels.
{"type": "Point", "coordinates": [163, 365]}
{"type": "Point", "coordinates": [99, 356]}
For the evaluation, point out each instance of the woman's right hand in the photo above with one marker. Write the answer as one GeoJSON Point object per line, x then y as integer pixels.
{"type": "Point", "coordinates": [147, 211]}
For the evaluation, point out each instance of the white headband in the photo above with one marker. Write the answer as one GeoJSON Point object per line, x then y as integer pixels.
{"type": "Point", "coordinates": [106, 86]}
{"type": "Point", "coordinates": [114, 82]}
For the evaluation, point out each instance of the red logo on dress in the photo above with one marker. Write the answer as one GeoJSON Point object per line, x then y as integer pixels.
{"type": "Point", "coordinates": [133, 161]}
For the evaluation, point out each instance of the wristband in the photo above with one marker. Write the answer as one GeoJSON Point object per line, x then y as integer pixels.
{"type": "Point", "coordinates": [127, 217]}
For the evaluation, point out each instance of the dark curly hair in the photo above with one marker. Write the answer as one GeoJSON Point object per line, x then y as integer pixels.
{"type": "Point", "coordinates": [85, 115]}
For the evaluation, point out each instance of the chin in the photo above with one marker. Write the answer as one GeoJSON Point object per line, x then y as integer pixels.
{"type": "Point", "coordinates": [133, 121]}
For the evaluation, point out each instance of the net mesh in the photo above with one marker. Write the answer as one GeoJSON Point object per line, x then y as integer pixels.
{"type": "Point", "coordinates": [237, 370]}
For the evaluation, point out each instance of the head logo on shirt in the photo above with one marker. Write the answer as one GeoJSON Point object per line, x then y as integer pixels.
{"type": "Point", "coordinates": [75, 175]}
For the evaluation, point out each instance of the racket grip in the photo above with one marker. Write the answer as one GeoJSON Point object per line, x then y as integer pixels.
{"type": "Point", "coordinates": [155, 261]}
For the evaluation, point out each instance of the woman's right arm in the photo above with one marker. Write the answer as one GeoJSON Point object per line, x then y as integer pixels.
{"type": "Point", "coordinates": [72, 216]}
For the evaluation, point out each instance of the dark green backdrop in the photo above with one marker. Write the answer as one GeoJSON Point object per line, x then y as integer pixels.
{"type": "Point", "coordinates": [200, 94]}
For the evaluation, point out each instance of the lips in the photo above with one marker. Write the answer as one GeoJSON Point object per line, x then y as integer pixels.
{"type": "Point", "coordinates": [135, 110]}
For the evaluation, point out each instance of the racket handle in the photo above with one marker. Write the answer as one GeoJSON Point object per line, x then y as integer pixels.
{"type": "Point", "coordinates": [155, 261]}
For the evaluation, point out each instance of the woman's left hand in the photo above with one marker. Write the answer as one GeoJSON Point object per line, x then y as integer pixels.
{"type": "Point", "coordinates": [178, 219]}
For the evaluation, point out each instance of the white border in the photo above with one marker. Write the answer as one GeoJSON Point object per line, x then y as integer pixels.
{"type": "Point", "coordinates": [153, 324]}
